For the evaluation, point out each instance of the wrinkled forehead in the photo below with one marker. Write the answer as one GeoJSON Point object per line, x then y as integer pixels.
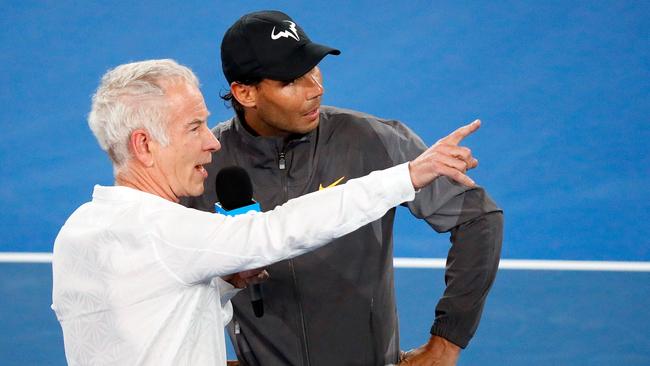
{"type": "Point", "coordinates": [184, 101]}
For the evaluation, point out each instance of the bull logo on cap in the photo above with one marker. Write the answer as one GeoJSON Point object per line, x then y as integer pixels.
{"type": "Point", "coordinates": [291, 32]}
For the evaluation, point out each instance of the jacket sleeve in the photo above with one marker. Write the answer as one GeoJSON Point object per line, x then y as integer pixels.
{"type": "Point", "coordinates": [476, 226]}
{"type": "Point", "coordinates": [195, 246]}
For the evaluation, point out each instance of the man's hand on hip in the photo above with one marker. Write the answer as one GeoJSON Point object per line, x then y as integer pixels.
{"type": "Point", "coordinates": [437, 352]}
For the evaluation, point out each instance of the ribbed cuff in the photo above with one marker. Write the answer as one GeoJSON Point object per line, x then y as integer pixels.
{"type": "Point", "coordinates": [445, 331]}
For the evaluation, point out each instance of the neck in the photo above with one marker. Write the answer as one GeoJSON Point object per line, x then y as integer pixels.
{"type": "Point", "coordinates": [256, 127]}
{"type": "Point", "coordinates": [142, 180]}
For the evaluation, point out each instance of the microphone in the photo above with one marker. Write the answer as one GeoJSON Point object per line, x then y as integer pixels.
{"type": "Point", "coordinates": [235, 196]}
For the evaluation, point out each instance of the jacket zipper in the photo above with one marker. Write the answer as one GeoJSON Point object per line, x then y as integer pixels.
{"type": "Point", "coordinates": [282, 165]}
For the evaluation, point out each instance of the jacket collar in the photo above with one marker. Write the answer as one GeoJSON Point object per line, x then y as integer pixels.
{"type": "Point", "coordinates": [269, 144]}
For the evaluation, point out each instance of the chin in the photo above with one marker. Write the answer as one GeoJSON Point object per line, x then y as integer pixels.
{"type": "Point", "coordinates": [193, 191]}
{"type": "Point", "coordinates": [312, 125]}
{"type": "Point", "coordinates": [197, 191]}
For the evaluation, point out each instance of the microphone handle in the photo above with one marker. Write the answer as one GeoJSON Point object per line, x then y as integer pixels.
{"type": "Point", "coordinates": [255, 292]}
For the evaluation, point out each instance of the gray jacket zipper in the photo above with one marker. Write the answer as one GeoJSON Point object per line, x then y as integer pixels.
{"type": "Point", "coordinates": [282, 165]}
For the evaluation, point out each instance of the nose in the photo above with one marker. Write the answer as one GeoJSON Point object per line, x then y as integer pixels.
{"type": "Point", "coordinates": [211, 143]}
{"type": "Point", "coordinates": [316, 84]}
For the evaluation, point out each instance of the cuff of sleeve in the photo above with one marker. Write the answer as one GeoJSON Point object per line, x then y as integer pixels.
{"type": "Point", "coordinates": [227, 291]}
{"type": "Point", "coordinates": [442, 330]}
{"type": "Point", "coordinates": [405, 185]}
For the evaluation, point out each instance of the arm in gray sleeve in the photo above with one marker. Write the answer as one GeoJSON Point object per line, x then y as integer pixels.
{"type": "Point", "coordinates": [476, 226]}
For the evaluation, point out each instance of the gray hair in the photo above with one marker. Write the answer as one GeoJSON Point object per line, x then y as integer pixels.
{"type": "Point", "coordinates": [129, 97]}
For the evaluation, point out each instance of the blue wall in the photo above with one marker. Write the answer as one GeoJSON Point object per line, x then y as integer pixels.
{"type": "Point", "coordinates": [562, 88]}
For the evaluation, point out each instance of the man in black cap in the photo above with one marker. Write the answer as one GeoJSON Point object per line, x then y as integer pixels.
{"type": "Point", "coordinates": [336, 306]}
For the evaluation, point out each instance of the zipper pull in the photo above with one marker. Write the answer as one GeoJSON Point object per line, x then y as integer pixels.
{"type": "Point", "coordinates": [281, 161]}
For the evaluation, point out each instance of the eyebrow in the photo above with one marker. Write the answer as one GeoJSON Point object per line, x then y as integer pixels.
{"type": "Point", "coordinates": [197, 120]}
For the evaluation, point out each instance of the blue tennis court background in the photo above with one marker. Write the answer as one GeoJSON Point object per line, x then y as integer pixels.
{"type": "Point", "coordinates": [562, 89]}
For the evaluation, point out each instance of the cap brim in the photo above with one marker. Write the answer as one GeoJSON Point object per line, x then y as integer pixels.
{"type": "Point", "coordinates": [303, 59]}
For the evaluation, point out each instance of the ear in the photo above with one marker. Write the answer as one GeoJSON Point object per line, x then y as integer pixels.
{"type": "Point", "coordinates": [140, 145]}
{"type": "Point", "coordinates": [246, 95]}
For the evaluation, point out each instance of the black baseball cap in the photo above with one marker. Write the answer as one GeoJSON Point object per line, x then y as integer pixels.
{"type": "Point", "coordinates": [269, 45]}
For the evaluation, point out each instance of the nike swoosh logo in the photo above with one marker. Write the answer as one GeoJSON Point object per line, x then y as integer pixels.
{"type": "Point", "coordinates": [320, 186]}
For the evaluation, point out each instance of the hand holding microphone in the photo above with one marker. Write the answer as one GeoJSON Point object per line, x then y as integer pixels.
{"type": "Point", "coordinates": [248, 278]}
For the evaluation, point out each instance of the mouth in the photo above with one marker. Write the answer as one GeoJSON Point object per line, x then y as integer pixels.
{"type": "Point", "coordinates": [201, 170]}
{"type": "Point", "coordinates": [312, 113]}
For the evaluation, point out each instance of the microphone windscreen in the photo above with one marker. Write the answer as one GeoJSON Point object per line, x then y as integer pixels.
{"type": "Point", "coordinates": [234, 188]}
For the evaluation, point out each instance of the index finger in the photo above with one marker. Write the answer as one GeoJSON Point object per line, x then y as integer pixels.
{"type": "Point", "coordinates": [455, 137]}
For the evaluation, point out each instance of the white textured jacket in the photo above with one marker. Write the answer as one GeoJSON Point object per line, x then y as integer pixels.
{"type": "Point", "coordinates": [136, 277]}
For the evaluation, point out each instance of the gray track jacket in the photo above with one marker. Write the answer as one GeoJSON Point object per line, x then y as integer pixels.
{"type": "Point", "coordinates": [336, 305]}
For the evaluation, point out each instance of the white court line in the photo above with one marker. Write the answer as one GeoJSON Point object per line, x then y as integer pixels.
{"type": "Point", "coordinates": [27, 257]}
{"type": "Point", "coordinates": [521, 264]}
{"type": "Point", "coordinates": [529, 264]}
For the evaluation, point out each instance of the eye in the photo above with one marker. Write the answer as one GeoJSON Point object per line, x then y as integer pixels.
{"type": "Point", "coordinates": [289, 82]}
{"type": "Point", "coordinates": [195, 127]}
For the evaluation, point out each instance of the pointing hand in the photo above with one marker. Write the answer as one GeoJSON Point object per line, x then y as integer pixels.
{"type": "Point", "coordinates": [446, 158]}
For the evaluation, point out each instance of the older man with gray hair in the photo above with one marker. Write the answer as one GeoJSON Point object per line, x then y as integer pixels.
{"type": "Point", "coordinates": [138, 278]}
